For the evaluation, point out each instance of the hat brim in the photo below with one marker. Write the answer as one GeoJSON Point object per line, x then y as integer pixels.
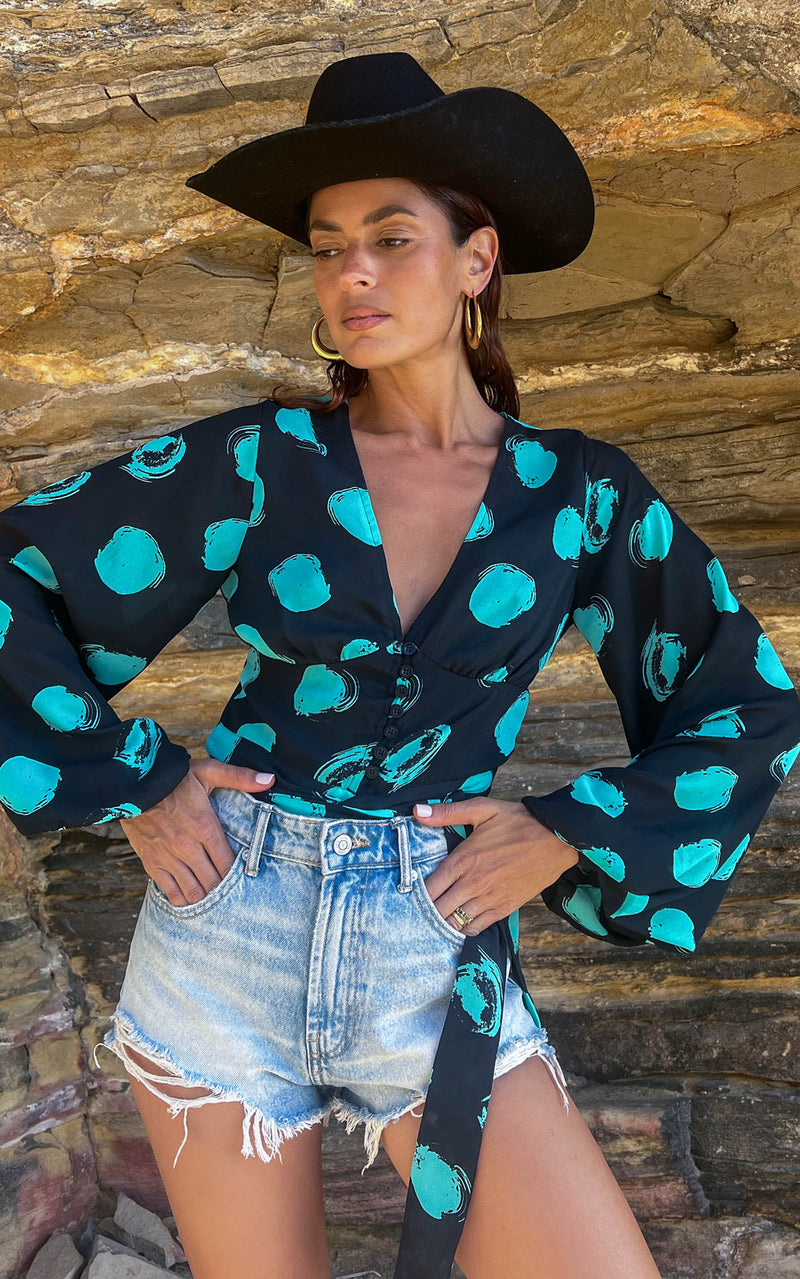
{"type": "Point", "coordinates": [488, 140]}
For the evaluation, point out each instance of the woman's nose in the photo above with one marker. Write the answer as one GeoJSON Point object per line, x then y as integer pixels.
{"type": "Point", "coordinates": [356, 261]}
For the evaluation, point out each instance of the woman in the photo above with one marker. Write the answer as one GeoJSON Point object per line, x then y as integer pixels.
{"type": "Point", "coordinates": [401, 560]}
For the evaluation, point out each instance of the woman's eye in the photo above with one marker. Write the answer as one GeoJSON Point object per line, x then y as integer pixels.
{"type": "Point", "coordinates": [321, 253]}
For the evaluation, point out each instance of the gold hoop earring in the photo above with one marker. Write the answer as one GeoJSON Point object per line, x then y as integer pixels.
{"type": "Point", "coordinates": [319, 346]}
{"type": "Point", "coordinates": [474, 327]}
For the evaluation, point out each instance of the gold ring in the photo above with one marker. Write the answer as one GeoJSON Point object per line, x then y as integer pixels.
{"type": "Point", "coordinates": [462, 917]}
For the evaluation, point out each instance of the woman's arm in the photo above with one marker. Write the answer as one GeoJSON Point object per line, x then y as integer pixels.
{"type": "Point", "coordinates": [98, 571]}
{"type": "Point", "coordinates": [710, 716]}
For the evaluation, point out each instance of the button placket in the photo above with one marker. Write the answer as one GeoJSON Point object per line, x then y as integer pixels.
{"type": "Point", "coordinates": [390, 728]}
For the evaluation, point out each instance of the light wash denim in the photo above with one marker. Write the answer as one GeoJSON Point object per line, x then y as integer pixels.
{"type": "Point", "coordinates": [314, 978]}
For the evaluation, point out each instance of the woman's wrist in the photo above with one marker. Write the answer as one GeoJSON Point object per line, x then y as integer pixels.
{"type": "Point", "coordinates": [552, 847]}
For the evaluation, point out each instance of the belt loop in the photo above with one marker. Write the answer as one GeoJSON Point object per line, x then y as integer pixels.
{"type": "Point", "coordinates": [257, 842]}
{"type": "Point", "coordinates": [404, 845]}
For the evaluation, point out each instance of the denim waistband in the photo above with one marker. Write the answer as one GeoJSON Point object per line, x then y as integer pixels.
{"type": "Point", "coordinates": [326, 841]}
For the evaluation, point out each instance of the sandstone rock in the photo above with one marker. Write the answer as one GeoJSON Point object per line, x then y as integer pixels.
{"type": "Point", "coordinates": [58, 1259]}
{"type": "Point", "coordinates": [50, 1183]}
{"type": "Point", "coordinates": [112, 1265]}
{"type": "Point", "coordinates": [166, 93]}
{"type": "Point", "coordinates": [773, 1252]}
{"type": "Point", "coordinates": [103, 1244]}
{"type": "Point", "coordinates": [143, 1230]}
{"type": "Point", "coordinates": [288, 71]}
{"type": "Point", "coordinates": [74, 109]}
{"type": "Point", "coordinates": [107, 1228]}
{"type": "Point", "coordinates": [745, 271]}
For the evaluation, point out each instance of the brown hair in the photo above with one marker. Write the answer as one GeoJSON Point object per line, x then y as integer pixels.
{"type": "Point", "coordinates": [491, 370]}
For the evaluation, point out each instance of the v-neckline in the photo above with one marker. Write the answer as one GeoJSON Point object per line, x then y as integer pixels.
{"type": "Point", "coordinates": [486, 498]}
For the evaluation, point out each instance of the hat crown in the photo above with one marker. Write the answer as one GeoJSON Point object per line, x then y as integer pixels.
{"type": "Point", "coordinates": [370, 84]}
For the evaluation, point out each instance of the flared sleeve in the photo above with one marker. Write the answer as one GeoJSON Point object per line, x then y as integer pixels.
{"type": "Point", "coordinates": [710, 716]}
{"type": "Point", "coordinates": [98, 571]}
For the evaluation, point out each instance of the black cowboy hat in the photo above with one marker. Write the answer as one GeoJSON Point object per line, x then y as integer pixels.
{"type": "Point", "coordinates": [378, 115]}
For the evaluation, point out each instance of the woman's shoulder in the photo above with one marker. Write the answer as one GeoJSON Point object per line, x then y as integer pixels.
{"type": "Point", "coordinates": [568, 443]}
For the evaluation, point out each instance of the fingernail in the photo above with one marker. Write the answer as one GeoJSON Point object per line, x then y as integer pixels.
{"type": "Point", "coordinates": [423, 810]}
{"type": "Point", "coordinates": [265, 777]}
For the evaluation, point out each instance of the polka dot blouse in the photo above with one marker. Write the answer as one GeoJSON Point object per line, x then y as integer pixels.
{"type": "Point", "coordinates": [269, 506]}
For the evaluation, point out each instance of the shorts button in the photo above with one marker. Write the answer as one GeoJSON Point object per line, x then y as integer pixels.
{"type": "Point", "coordinates": [342, 844]}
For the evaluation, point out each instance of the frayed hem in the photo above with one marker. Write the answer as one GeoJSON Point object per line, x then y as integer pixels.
{"type": "Point", "coordinates": [267, 1134]}
{"type": "Point", "coordinates": [525, 1049]}
{"type": "Point", "coordinates": [374, 1125]}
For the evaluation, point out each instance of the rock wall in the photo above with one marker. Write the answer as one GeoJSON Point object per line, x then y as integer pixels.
{"type": "Point", "coordinates": [130, 305]}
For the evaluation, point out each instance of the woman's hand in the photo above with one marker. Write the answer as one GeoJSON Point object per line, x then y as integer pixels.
{"type": "Point", "coordinates": [508, 859]}
{"type": "Point", "coordinates": [180, 841]}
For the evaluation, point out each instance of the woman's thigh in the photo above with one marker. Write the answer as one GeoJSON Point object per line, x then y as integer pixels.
{"type": "Point", "coordinates": [238, 1216]}
{"type": "Point", "coordinates": [545, 1202]}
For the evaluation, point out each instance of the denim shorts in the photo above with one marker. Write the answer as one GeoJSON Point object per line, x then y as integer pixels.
{"type": "Point", "coordinates": [314, 978]}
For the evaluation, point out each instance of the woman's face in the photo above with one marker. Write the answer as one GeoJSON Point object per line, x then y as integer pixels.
{"type": "Point", "coordinates": [381, 244]}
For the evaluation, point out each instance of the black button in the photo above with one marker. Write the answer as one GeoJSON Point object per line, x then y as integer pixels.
{"type": "Point", "coordinates": [372, 770]}
{"type": "Point", "coordinates": [406, 670]}
{"type": "Point", "coordinates": [394, 711]}
{"type": "Point", "coordinates": [408, 647]}
{"type": "Point", "coordinates": [380, 752]}
{"type": "Point", "coordinates": [390, 730]}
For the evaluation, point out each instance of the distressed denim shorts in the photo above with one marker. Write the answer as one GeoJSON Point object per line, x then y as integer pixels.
{"type": "Point", "coordinates": [314, 978]}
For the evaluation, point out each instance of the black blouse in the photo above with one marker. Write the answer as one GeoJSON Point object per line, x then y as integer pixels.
{"type": "Point", "coordinates": [98, 571]}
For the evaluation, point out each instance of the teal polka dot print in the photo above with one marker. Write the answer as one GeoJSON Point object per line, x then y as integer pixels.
{"type": "Point", "coordinates": [268, 508]}
{"type": "Point", "coordinates": [707, 707]}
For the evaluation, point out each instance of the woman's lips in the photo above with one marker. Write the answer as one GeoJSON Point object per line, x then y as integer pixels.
{"type": "Point", "coordinates": [365, 321]}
